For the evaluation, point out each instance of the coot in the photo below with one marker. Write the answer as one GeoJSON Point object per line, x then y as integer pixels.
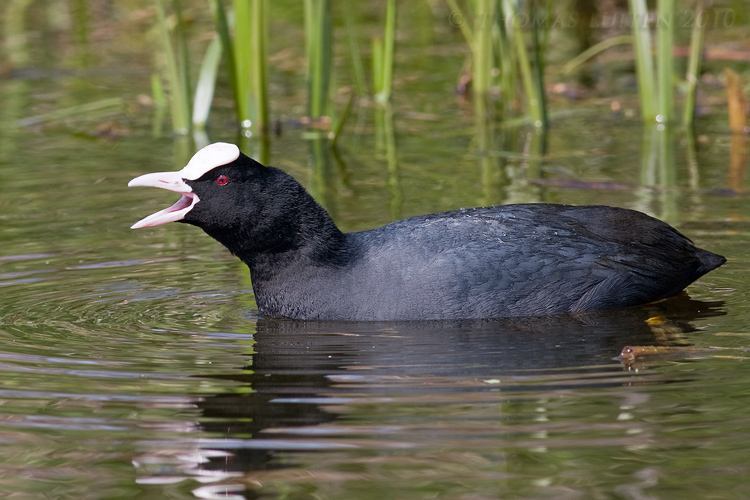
{"type": "Point", "coordinates": [504, 261]}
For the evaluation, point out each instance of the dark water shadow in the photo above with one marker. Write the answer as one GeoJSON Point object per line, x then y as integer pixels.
{"type": "Point", "coordinates": [300, 370]}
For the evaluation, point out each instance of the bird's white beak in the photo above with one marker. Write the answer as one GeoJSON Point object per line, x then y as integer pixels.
{"type": "Point", "coordinates": [171, 181]}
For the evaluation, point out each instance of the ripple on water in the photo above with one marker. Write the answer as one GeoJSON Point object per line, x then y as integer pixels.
{"type": "Point", "coordinates": [166, 362]}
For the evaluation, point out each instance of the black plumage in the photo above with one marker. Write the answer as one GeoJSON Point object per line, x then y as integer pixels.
{"type": "Point", "coordinates": [513, 260]}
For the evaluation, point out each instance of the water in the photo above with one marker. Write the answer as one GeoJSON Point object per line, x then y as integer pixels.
{"type": "Point", "coordinates": [134, 362]}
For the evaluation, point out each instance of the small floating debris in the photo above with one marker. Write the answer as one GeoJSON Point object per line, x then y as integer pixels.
{"type": "Point", "coordinates": [631, 354]}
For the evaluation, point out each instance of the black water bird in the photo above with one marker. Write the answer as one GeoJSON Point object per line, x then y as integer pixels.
{"type": "Point", "coordinates": [504, 261]}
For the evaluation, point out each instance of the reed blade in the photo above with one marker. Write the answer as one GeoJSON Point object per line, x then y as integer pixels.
{"type": "Point", "coordinates": [179, 102]}
{"type": "Point", "coordinates": [242, 44]}
{"type": "Point", "coordinates": [481, 45]}
{"type": "Point", "coordinates": [538, 43]}
{"type": "Point", "coordinates": [389, 41]}
{"type": "Point", "coordinates": [665, 60]}
{"type": "Point", "coordinates": [643, 59]}
{"type": "Point", "coordinates": [227, 45]}
{"type": "Point", "coordinates": [183, 56]}
{"type": "Point", "coordinates": [358, 70]}
{"type": "Point", "coordinates": [259, 65]}
{"type": "Point", "coordinates": [318, 41]}
{"type": "Point", "coordinates": [694, 63]}
{"type": "Point", "coordinates": [531, 89]}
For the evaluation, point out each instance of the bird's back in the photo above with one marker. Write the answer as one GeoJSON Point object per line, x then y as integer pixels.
{"type": "Point", "coordinates": [516, 260]}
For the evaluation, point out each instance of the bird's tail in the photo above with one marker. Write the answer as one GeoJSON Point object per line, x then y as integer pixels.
{"type": "Point", "coordinates": [709, 261]}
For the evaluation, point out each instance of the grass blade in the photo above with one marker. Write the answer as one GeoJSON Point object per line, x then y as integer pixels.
{"type": "Point", "coordinates": [386, 66]}
{"type": "Point", "coordinates": [535, 104]}
{"type": "Point", "coordinates": [377, 65]}
{"type": "Point", "coordinates": [482, 47]}
{"type": "Point", "coordinates": [665, 59]}
{"type": "Point", "coordinates": [250, 59]}
{"type": "Point", "coordinates": [242, 43]}
{"type": "Point", "coordinates": [227, 46]}
{"type": "Point", "coordinates": [157, 92]}
{"type": "Point", "coordinates": [643, 59]}
{"type": "Point", "coordinates": [537, 17]}
{"type": "Point", "coordinates": [178, 93]}
{"type": "Point", "coordinates": [694, 62]}
{"type": "Point", "coordinates": [506, 62]}
{"type": "Point", "coordinates": [594, 51]}
{"type": "Point", "coordinates": [358, 70]}
{"type": "Point", "coordinates": [460, 19]}
{"type": "Point", "coordinates": [259, 64]}
{"type": "Point", "coordinates": [183, 57]}
{"type": "Point", "coordinates": [318, 38]}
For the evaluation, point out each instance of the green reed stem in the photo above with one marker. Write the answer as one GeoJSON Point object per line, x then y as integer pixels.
{"type": "Point", "coordinates": [481, 46]}
{"type": "Point", "coordinates": [242, 43]}
{"type": "Point", "coordinates": [384, 84]}
{"type": "Point", "coordinates": [179, 89]}
{"type": "Point", "coordinates": [534, 100]}
{"type": "Point", "coordinates": [318, 41]}
{"type": "Point", "coordinates": [183, 57]}
{"type": "Point", "coordinates": [506, 61]}
{"type": "Point", "coordinates": [250, 61]}
{"type": "Point", "coordinates": [377, 65]}
{"type": "Point", "coordinates": [538, 55]}
{"type": "Point", "coordinates": [358, 70]}
{"type": "Point", "coordinates": [259, 64]}
{"type": "Point", "coordinates": [594, 51]}
{"type": "Point", "coordinates": [643, 59]}
{"type": "Point", "coordinates": [157, 92]}
{"type": "Point", "coordinates": [694, 62]}
{"type": "Point", "coordinates": [461, 20]}
{"type": "Point", "coordinates": [245, 48]}
{"type": "Point", "coordinates": [388, 49]}
{"type": "Point", "coordinates": [160, 104]}
{"type": "Point", "coordinates": [665, 59]}
{"type": "Point", "coordinates": [227, 46]}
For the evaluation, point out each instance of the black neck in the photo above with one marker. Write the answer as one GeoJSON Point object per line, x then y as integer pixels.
{"type": "Point", "coordinates": [303, 233]}
{"type": "Point", "coordinates": [313, 240]}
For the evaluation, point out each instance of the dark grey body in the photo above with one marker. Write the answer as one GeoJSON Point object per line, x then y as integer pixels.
{"type": "Point", "coordinates": [506, 261]}
{"type": "Point", "coordinates": [514, 260]}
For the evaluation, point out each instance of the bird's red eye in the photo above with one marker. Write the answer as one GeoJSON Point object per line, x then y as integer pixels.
{"type": "Point", "coordinates": [222, 180]}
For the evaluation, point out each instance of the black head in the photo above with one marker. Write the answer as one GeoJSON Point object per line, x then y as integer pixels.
{"type": "Point", "coordinates": [252, 208]}
{"type": "Point", "coordinates": [248, 207]}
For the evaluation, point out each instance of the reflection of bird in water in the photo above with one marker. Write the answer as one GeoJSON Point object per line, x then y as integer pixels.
{"type": "Point", "coordinates": [304, 374]}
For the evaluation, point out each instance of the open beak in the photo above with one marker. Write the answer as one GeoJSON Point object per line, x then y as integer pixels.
{"type": "Point", "coordinates": [171, 181]}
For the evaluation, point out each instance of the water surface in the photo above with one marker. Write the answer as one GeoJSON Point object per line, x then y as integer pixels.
{"type": "Point", "coordinates": [134, 363]}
